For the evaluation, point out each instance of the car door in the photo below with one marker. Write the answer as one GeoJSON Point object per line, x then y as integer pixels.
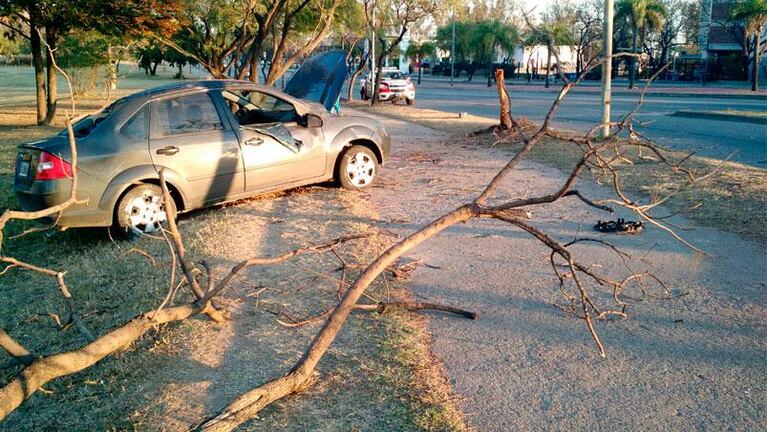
{"type": "Point", "coordinates": [276, 149]}
{"type": "Point", "coordinates": [189, 137]}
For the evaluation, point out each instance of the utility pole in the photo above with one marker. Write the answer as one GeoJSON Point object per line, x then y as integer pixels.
{"type": "Point", "coordinates": [607, 67]}
{"type": "Point", "coordinates": [452, 52]}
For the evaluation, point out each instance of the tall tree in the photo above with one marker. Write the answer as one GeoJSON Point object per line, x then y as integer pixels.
{"type": "Point", "coordinates": [303, 28]}
{"type": "Point", "coordinates": [391, 20]}
{"type": "Point", "coordinates": [552, 34]}
{"type": "Point", "coordinates": [753, 14]}
{"type": "Point", "coordinates": [587, 32]}
{"type": "Point", "coordinates": [234, 36]}
{"type": "Point", "coordinates": [641, 16]}
{"type": "Point", "coordinates": [41, 22]}
{"type": "Point", "coordinates": [421, 51]}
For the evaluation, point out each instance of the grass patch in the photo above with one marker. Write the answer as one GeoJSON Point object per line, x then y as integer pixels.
{"type": "Point", "coordinates": [734, 200]}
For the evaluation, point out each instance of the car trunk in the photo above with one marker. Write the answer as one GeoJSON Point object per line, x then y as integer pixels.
{"type": "Point", "coordinates": [29, 156]}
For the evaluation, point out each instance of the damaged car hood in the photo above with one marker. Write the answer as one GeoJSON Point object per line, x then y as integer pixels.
{"type": "Point", "coordinates": [320, 78]}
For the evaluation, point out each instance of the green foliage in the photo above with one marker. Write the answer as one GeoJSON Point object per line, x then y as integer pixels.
{"type": "Point", "coordinates": [641, 15]}
{"type": "Point", "coordinates": [14, 46]}
{"type": "Point", "coordinates": [554, 33]}
{"type": "Point", "coordinates": [753, 13]}
{"type": "Point", "coordinates": [478, 41]}
{"type": "Point", "coordinates": [422, 50]}
{"type": "Point", "coordinates": [83, 49]}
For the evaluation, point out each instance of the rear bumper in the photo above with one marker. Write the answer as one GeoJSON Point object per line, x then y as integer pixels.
{"type": "Point", "coordinates": [41, 195]}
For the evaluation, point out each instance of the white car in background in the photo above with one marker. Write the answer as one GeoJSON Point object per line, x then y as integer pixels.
{"type": "Point", "coordinates": [395, 86]}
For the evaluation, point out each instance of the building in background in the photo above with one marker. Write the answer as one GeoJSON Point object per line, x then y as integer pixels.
{"type": "Point", "coordinates": [724, 49]}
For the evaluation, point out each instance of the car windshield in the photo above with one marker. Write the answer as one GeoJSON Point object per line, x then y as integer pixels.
{"type": "Point", "coordinates": [394, 75]}
{"type": "Point", "coordinates": [86, 125]}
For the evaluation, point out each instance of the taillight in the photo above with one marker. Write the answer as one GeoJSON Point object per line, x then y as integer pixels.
{"type": "Point", "coordinates": [50, 167]}
{"type": "Point", "coordinates": [383, 88]}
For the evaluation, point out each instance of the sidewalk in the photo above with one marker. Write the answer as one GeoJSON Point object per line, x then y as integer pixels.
{"type": "Point", "coordinates": [684, 364]}
{"type": "Point", "coordinates": [620, 87]}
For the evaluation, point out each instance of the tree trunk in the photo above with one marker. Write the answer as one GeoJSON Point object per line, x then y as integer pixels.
{"type": "Point", "coordinates": [503, 96]}
{"type": "Point", "coordinates": [755, 67]}
{"type": "Point", "coordinates": [420, 71]}
{"type": "Point", "coordinates": [360, 68]}
{"type": "Point", "coordinates": [377, 83]}
{"type": "Point", "coordinates": [548, 66]}
{"type": "Point", "coordinates": [633, 69]}
{"type": "Point", "coordinates": [153, 68]}
{"type": "Point", "coordinates": [52, 90]}
{"type": "Point", "coordinates": [37, 62]}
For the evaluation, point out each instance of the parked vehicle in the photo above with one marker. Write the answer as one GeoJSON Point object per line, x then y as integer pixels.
{"type": "Point", "coordinates": [395, 86]}
{"type": "Point", "coordinates": [217, 141]}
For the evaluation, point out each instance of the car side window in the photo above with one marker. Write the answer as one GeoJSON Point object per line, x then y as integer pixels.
{"type": "Point", "coordinates": [252, 107]}
{"type": "Point", "coordinates": [186, 114]}
{"type": "Point", "coordinates": [136, 126]}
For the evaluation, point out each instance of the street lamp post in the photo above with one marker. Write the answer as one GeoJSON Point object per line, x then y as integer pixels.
{"type": "Point", "coordinates": [607, 68]}
{"type": "Point", "coordinates": [452, 52]}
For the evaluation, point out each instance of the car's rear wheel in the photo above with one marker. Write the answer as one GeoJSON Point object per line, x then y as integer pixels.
{"type": "Point", "coordinates": [142, 211]}
{"type": "Point", "coordinates": [358, 168]}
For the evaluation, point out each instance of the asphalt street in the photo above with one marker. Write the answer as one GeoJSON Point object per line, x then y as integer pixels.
{"type": "Point", "coordinates": [581, 111]}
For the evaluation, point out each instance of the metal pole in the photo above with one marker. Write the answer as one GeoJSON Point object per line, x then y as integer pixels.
{"type": "Point", "coordinates": [607, 68]}
{"type": "Point", "coordinates": [373, 51]}
{"type": "Point", "coordinates": [452, 53]}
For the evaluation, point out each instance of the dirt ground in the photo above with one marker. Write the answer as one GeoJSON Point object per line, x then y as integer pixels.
{"type": "Point", "coordinates": [378, 374]}
{"type": "Point", "coordinates": [695, 362]}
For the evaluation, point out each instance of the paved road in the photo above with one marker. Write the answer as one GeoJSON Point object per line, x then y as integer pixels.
{"type": "Point", "coordinates": [582, 110]}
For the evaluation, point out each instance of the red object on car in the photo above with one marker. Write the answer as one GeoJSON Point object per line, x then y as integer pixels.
{"type": "Point", "coordinates": [51, 167]}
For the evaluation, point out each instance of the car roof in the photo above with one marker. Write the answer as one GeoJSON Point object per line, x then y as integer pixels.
{"type": "Point", "coordinates": [183, 86]}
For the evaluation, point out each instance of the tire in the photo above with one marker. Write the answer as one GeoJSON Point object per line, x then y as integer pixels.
{"type": "Point", "coordinates": [358, 168]}
{"type": "Point", "coordinates": [410, 101]}
{"type": "Point", "coordinates": [141, 211]}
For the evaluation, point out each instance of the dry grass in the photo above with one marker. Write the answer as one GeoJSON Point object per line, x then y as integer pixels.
{"type": "Point", "coordinates": [377, 376]}
{"type": "Point", "coordinates": [735, 200]}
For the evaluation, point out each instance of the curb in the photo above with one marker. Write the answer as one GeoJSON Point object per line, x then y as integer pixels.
{"type": "Point", "coordinates": [721, 116]}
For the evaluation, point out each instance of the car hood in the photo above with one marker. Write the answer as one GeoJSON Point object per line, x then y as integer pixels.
{"type": "Point", "coordinates": [320, 78]}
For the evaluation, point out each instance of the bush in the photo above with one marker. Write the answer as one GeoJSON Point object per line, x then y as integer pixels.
{"type": "Point", "coordinates": [85, 80]}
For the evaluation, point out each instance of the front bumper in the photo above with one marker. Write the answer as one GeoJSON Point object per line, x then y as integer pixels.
{"type": "Point", "coordinates": [396, 95]}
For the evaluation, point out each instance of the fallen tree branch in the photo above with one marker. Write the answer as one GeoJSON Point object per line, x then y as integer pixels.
{"type": "Point", "coordinates": [15, 349]}
{"type": "Point", "coordinates": [46, 369]}
{"type": "Point", "coordinates": [180, 253]}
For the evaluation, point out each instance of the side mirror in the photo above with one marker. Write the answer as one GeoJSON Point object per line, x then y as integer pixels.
{"type": "Point", "coordinates": [312, 121]}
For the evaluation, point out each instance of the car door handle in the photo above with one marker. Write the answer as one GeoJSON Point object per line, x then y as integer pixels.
{"type": "Point", "coordinates": [168, 151]}
{"type": "Point", "coordinates": [254, 141]}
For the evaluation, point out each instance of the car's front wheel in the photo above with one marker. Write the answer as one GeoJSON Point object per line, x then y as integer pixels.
{"type": "Point", "coordinates": [358, 168]}
{"type": "Point", "coordinates": [142, 211]}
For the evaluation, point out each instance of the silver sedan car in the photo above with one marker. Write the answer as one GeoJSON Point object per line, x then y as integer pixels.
{"type": "Point", "coordinates": [217, 140]}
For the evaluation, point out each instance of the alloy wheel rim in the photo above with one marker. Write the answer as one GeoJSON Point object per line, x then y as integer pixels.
{"type": "Point", "coordinates": [146, 214]}
{"type": "Point", "coordinates": [361, 169]}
